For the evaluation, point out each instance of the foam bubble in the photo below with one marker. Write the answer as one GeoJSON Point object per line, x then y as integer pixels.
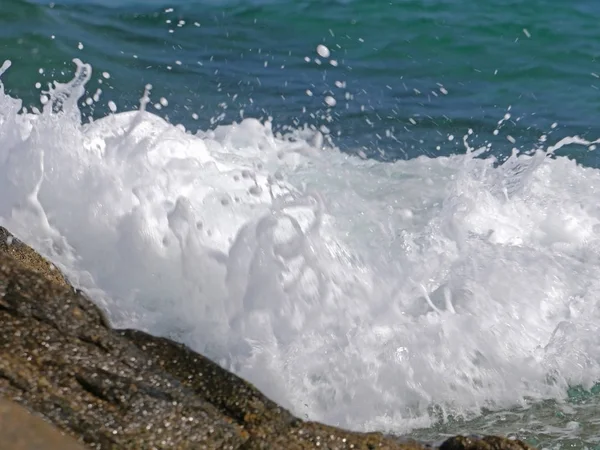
{"type": "Point", "coordinates": [364, 294]}
{"type": "Point", "coordinates": [323, 51]}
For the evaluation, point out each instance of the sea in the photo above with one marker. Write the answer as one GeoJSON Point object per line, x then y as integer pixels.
{"type": "Point", "coordinates": [384, 214]}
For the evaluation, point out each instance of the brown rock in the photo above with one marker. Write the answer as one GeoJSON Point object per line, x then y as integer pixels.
{"type": "Point", "coordinates": [484, 443]}
{"type": "Point", "coordinates": [29, 257]}
{"type": "Point", "coordinates": [24, 431]}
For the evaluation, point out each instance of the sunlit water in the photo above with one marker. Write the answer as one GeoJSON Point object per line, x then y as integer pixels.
{"type": "Point", "coordinates": [432, 296]}
{"type": "Point", "coordinates": [451, 289]}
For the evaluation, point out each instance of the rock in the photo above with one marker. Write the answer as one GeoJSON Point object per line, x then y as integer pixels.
{"type": "Point", "coordinates": [24, 431]}
{"type": "Point", "coordinates": [127, 389]}
{"type": "Point", "coordinates": [484, 443]}
{"type": "Point", "coordinates": [29, 257]}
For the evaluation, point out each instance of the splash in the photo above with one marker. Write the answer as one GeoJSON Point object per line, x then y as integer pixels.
{"type": "Point", "coordinates": [363, 294]}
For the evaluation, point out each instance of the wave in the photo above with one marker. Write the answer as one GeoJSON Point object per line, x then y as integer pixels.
{"type": "Point", "coordinates": [359, 293]}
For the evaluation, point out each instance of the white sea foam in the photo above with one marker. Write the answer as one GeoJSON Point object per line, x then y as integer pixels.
{"type": "Point", "coordinates": [365, 294]}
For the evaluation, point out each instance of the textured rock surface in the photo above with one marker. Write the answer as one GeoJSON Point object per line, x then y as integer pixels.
{"type": "Point", "coordinates": [29, 257]}
{"type": "Point", "coordinates": [127, 389]}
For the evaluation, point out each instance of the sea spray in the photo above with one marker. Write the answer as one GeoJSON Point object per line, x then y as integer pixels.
{"type": "Point", "coordinates": [365, 294]}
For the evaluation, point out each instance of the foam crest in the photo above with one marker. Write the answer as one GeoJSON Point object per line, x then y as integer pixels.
{"type": "Point", "coordinates": [364, 294]}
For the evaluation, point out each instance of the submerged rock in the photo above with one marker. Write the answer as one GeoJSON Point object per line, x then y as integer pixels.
{"type": "Point", "coordinates": [110, 388]}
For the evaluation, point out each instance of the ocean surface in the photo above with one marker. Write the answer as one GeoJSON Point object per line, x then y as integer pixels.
{"type": "Point", "coordinates": [383, 214]}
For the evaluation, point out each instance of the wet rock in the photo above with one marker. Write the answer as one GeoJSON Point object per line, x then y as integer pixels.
{"type": "Point", "coordinates": [483, 443]}
{"type": "Point", "coordinates": [127, 389]}
{"type": "Point", "coordinates": [58, 358]}
{"type": "Point", "coordinates": [29, 257]}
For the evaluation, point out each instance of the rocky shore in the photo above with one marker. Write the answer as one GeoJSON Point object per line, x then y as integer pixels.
{"type": "Point", "coordinates": [70, 381]}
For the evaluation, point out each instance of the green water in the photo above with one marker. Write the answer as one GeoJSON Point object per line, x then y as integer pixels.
{"type": "Point", "coordinates": [538, 57]}
{"type": "Point", "coordinates": [573, 423]}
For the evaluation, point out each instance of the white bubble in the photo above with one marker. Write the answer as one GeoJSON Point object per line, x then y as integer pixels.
{"type": "Point", "coordinates": [323, 51]}
{"type": "Point", "coordinates": [406, 213]}
{"type": "Point", "coordinates": [106, 75]}
{"type": "Point", "coordinates": [330, 100]}
{"type": "Point", "coordinates": [112, 106]}
{"type": "Point", "coordinates": [163, 101]}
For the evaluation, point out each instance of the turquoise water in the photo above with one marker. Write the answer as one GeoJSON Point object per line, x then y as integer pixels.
{"type": "Point", "coordinates": [392, 58]}
{"type": "Point", "coordinates": [403, 79]}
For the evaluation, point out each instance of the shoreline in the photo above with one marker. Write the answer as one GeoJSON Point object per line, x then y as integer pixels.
{"type": "Point", "coordinates": [111, 388]}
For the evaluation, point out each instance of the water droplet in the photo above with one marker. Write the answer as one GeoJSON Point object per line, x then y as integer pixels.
{"type": "Point", "coordinates": [323, 51]}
